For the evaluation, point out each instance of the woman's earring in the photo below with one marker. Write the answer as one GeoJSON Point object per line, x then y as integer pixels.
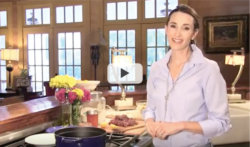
{"type": "Point", "coordinates": [192, 42]}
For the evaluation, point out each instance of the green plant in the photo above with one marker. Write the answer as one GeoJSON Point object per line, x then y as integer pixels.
{"type": "Point", "coordinates": [24, 72]}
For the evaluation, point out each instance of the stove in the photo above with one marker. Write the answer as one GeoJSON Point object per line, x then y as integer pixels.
{"type": "Point", "coordinates": [113, 140]}
{"type": "Point", "coordinates": [121, 140]}
{"type": "Point", "coordinates": [16, 138]}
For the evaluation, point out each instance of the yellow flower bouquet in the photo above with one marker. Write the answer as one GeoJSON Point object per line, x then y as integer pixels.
{"type": "Point", "coordinates": [67, 93]}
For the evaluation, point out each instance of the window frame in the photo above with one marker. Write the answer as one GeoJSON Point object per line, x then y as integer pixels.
{"type": "Point", "coordinates": [127, 21]}
{"type": "Point", "coordinates": [4, 33]}
{"type": "Point", "coordinates": [32, 6]}
{"type": "Point", "coordinates": [85, 12]}
{"type": "Point", "coordinates": [144, 40]}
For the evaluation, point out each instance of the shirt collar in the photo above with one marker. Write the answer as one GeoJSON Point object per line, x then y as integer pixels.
{"type": "Point", "coordinates": [196, 57]}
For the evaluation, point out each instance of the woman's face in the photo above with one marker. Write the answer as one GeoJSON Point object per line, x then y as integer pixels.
{"type": "Point", "coordinates": [180, 30]}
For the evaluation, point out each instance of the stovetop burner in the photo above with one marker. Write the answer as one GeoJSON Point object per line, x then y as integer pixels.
{"type": "Point", "coordinates": [120, 140]}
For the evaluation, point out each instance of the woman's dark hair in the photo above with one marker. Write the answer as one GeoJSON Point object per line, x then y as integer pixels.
{"type": "Point", "coordinates": [188, 10]}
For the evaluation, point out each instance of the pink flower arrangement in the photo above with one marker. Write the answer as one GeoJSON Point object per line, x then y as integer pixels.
{"type": "Point", "coordinates": [73, 95]}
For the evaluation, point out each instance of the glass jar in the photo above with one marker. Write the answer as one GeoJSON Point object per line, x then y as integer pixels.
{"type": "Point", "coordinates": [96, 96]}
{"type": "Point", "coordinates": [92, 117]}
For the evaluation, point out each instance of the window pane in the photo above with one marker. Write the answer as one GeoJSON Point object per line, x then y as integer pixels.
{"type": "Point", "coordinates": [78, 13]}
{"type": "Point", "coordinates": [111, 11]}
{"type": "Point", "coordinates": [45, 73]}
{"type": "Point", "coordinates": [69, 40]}
{"type": "Point", "coordinates": [69, 14]}
{"type": "Point", "coordinates": [31, 56]}
{"type": "Point", "coordinates": [69, 57]}
{"type": "Point", "coordinates": [131, 38]}
{"type": "Point", "coordinates": [32, 72]}
{"type": "Point", "coordinates": [38, 57]}
{"type": "Point", "coordinates": [151, 37]}
{"type": "Point", "coordinates": [61, 57]}
{"type": "Point", "coordinates": [160, 8]}
{"type": "Point", "coordinates": [110, 56]}
{"type": "Point", "coordinates": [45, 57]}
{"type": "Point", "coordinates": [172, 5]}
{"type": "Point", "coordinates": [39, 73]}
{"type": "Point", "coordinates": [131, 52]}
{"type": "Point", "coordinates": [122, 10]}
{"type": "Point", "coordinates": [60, 15]}
{"type": "Point", "coordinates": [45, 41]}
{"type": "Point", "coordinates": [3, 18]}
{"type": "Point", "coordinates": [3, 73]}
{"type": "Point", "coordinates": [3, 85]}
{"type": "Point", "coordinates": [62, 70]}
{"type": "Point", "coordinates": [113, 38]}
{"type": "Point", "coordinates": [132, 10]}
{"type": "Point", "coordinates": [150, 55]}
{"type": "Point", "coordinates": [121, 38]}
{"type": "Point", "coordinates": [77, 57]}
{"type": "Point", "coordinates": [77, 70]}
{"type": "Point", "coordinates": [38, 43]}
{"type": "Point", "coordinates": [69, 70]}
{"type": "Point", "coordinates": [31, 41]}
{"type": "Point", "coordinates": [160, 53]}
{"type": "Point", "coordinates": [46, 15]}
{"type": "Point", "coordinates": [2, 41]}
{"type": "Point", "coordinates": [38, 16]}
{"type": "Point", "coordinates": [39, 86]}
{"type": "Point", "coordinates": [29, 16]}
{"type": "Point", "coordinates": [149, 8]}
{"type": "Point", "coordinates": [77, 40]}
{"type": "Point", "coordinates": [160, 37]}
{"type": "Point", "coordinates": [148, 70]}
{"type": "Point", "coordinates": [61, 40]}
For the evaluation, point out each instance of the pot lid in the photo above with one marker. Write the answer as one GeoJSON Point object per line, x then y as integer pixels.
{"type": "Point", "coordinates": [43, 139]}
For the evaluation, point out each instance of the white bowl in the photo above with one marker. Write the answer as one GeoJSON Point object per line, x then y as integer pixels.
{"type": "Point", "coordinates": [89, 85]}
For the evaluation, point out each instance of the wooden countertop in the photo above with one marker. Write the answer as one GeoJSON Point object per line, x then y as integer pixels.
{"type": "Point", "coordinates": [29, 113]}
{"type": "Point", "coordinates": [41, 110]}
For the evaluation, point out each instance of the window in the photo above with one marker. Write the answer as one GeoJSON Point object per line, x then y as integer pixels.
{"type": "Point", "coordinates": [38, 59]}
{"type": "Point", "coordinates": [122, 10]}
{"type": "Point", "coordinates": [158, 8]}
{"type": "Point", "coordinates": [122, 39]}
{"type": "Point", "coordinates": [37, 16]}
{"type": "Point", "coordinates": [69, 14]}
{"type": "Point", "coordinates": [2, 64]}
{"type": "Point", "coordinates": [69, 54]}
{"type": "Point", "coordinates": [156, 46]}
{"type": "Point", "coordinates": [3, 18]}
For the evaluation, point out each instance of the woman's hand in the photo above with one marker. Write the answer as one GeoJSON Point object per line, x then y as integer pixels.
{"type": "Point", "coordinates": [168, 128]}
{"type": "Point", "coordinates": [151, 126]}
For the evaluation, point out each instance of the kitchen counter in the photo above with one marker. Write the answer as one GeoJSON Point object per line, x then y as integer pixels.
{"type": "Point", "coordinates": [37, 113]}
{"type": "Point", "coordinates": [26, 114]}
{"type": "Point", "coordinates": [240, 120]}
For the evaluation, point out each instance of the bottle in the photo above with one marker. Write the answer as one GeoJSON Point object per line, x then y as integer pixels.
{"type": "Point", "coordinates": [102, 103]}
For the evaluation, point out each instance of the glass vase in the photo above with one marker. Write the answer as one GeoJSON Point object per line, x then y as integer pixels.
{"type": "Point", "coordinates": [66, 114]}
{"type": "Point", "coordinates": [76, 108]}
{"type": "Point", "coordinates": [66, 108]}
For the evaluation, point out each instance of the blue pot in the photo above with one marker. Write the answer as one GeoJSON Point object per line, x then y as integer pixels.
{"type": "Point", "coordinates": [81, 137]}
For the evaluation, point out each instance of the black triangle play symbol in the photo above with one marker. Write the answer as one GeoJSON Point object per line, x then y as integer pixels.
{"type": "Point", "coordinates": [123, 73]}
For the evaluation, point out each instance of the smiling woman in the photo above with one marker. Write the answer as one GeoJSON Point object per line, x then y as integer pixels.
{"type": "Point", "coordinates": [188, 85]}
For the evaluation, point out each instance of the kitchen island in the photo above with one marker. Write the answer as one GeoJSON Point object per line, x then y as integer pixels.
{"type": "Point", "coordinates": [36, 115]}
{"type": "Point", "coordinates": [20, 119]}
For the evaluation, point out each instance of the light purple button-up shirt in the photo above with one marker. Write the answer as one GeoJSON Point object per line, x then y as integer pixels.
{"type": "Point", "coordinates": [199, 94]}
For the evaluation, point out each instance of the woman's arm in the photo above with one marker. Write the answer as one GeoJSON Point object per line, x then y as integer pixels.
{"type": "Point", "coordinates": [169, 128]}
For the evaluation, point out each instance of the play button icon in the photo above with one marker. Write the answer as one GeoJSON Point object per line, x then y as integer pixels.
{"type": "Point", "coordinates": [123, 72]}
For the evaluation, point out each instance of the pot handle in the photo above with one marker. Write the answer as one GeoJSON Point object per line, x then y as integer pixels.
{"type": "Point", "coordinates": [70, 140]}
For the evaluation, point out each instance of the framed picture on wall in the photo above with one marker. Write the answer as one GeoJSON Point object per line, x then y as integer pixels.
{"type": "Point", "coordinates": [224, 33]}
